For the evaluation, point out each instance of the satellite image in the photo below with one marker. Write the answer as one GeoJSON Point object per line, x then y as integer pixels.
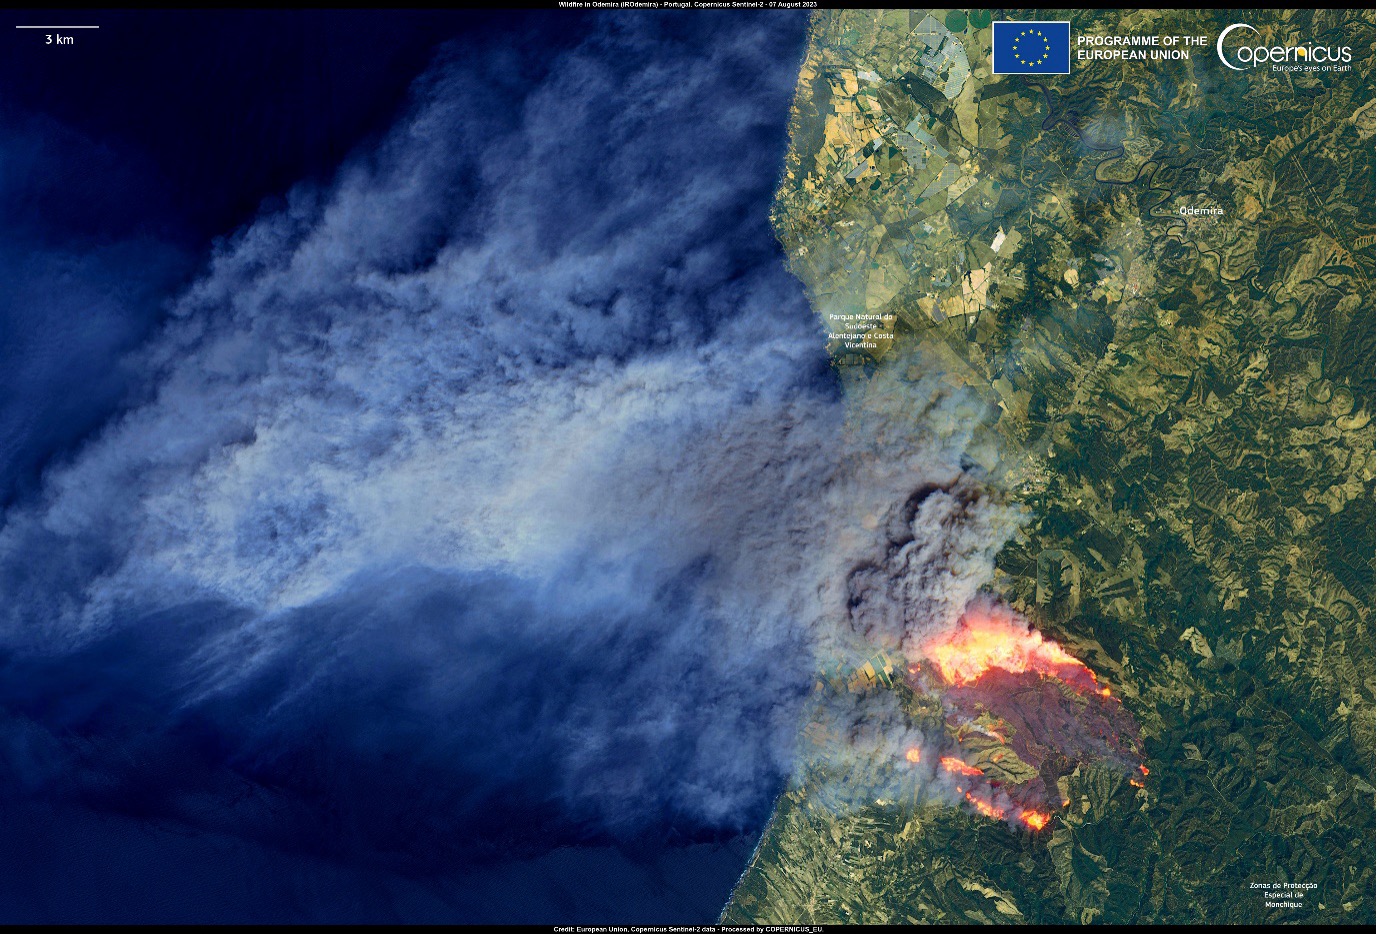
{"type": "Point", "coordinates": [704, 466]}
{"type": "Point", "coordinates": [1153, 290]}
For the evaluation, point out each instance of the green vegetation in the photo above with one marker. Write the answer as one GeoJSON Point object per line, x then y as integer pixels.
{"type": "Point", "coordinates": [1186, 405]}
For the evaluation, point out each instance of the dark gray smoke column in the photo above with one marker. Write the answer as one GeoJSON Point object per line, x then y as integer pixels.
{"type": "Point", "coordinates": [495, 499]}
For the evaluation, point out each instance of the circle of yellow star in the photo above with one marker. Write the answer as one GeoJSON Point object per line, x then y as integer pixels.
{"type": "Point", "coordinates": [1044, 41]}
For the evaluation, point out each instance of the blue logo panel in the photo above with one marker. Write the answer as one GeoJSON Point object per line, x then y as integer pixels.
{"type": "Point", "coordinates": [1040, 48]}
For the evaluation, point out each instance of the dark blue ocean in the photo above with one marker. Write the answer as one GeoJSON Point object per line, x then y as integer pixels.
{"type": "Point", "coordinates": [406, 421]}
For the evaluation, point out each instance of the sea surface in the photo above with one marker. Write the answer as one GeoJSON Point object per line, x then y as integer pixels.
{"type": "Point", "coordinates": [253, 723]}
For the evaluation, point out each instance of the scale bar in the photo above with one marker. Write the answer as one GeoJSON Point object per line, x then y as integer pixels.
{"type": "Point", "coordinates": [57, 27]}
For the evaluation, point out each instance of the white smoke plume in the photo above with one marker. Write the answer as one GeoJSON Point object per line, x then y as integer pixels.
{"type": "Point", "coordinates": [501, 468]}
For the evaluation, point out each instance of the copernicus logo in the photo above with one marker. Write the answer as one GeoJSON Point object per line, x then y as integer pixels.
{"type": "Point", "coordinates": [1248, 56]}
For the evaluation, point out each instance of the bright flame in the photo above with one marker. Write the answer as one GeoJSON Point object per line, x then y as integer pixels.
{"type": "Point", "coordinates": [1138, 783]}
{"type": "Point", "coordinates": [955, 765]}
{"type": "Point", "coordinates": [1034, 819]}
{"type": "Point", "coordinates": [913, 755]}
{"type": "Point", "coordinates": [985, 808]}
{"type": "Point", "coordinates": [1144, 770]}
{"type": "Point", "coordinates": [986, 641]}
{"type": "Point", "coordinates": [1107, 692]}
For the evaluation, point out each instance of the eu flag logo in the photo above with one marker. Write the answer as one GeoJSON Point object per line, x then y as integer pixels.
{"type": "Point", "coordinates": [1031, 48]}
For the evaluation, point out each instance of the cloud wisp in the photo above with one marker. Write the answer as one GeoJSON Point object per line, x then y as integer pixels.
{"type": "Point", "coordinates": [497, 497]}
